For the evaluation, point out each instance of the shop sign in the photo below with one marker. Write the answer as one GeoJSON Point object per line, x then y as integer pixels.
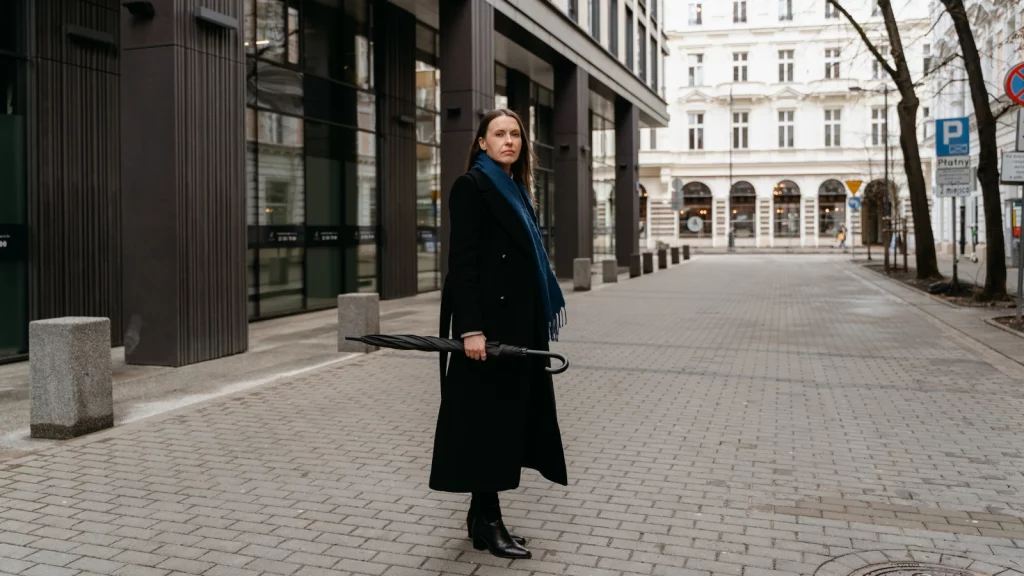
{"type": "Point", "coordinates": [13, 242]}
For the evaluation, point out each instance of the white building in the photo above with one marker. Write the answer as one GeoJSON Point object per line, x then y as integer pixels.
{"type": "Point", "coordinates": [997, 28]}
{"type": "Point", "coordinates": [773, 109]}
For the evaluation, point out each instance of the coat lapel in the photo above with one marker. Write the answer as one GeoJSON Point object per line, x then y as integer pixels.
{"type": "Point", "coordinates": [505, 214]}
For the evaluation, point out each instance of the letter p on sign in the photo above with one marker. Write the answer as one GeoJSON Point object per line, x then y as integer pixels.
{"type": "Point", "coordinates": [954, 138]}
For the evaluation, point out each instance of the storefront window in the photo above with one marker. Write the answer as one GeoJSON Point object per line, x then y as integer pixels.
{"type": "Point", "coordinates": [831, 208]}
{"type": "Point", "coordinates": [695, 212]}
{"type": "Point", "coordinates": [787, 209]}
{"type": "Point", "coordinates": [602, 140]}
{"type": "Point", "coordinates": [311, 154]}
{"type": "Point", "coordinates": [428, 161]}
{"type": "Point", "coordinates": [742, 209]}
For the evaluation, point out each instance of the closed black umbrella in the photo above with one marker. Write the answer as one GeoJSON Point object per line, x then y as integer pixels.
{"type": "Point", "coordinates": [434, 344]}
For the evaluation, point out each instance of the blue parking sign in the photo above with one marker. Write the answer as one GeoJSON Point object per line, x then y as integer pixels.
{"type": "Point", "coordinates": [952, 137]}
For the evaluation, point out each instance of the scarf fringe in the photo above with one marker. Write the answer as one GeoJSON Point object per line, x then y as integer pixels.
{"type": "Point", "coordinates": [556, 324]}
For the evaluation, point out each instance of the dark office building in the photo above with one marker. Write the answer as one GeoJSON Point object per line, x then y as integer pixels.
{"type": "Point", "coordinates": [184, 167]}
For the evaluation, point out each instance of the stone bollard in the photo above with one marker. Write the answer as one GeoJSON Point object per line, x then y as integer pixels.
{"type": "Point", "coordinates": [358, 315]}
{"type": "Point", "coordinates": [581, 274]}
{"type": "Point", "coordinates": [686, 252]}
{"type": "Point", "coordinates": [675, 254]}
{"type": "Point", "coordinates": [609, 271]}
{"type": "Point", "coordinates": [70, 390]}
{"type": "Point", "coordinates": [648, 263]}
{"type": "Point", "coordinates": [634, 265]}
{"type": "Point", "coordinates": [662, 258]}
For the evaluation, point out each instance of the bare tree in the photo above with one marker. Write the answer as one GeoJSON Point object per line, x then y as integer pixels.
{"type": "Point", "coordinates": [988, 171]}
{"type": "Point", "coordinates": [927, 265]}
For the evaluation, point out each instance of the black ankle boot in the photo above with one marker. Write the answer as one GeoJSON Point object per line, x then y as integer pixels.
{"type": "Point", "coordinates": [469, 530]}
{"type": "Point", "coordinates": [493, 536]}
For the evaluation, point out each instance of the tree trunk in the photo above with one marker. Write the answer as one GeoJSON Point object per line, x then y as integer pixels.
{"type": "Point", "coordinates": [988, 163]}
{"type": "Point", "coordinates": [927, 265]}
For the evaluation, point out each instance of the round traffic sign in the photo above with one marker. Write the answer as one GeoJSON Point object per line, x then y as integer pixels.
{"type": "Point", "coordinates": [695, 224]}
{"type": "Point", "coordinates": [1014, 84]}
{"type": "Point", "coordinates": [854, 203]}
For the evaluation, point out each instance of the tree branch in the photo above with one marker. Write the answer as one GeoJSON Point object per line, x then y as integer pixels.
{"type": "Point", "coordinates": [864, 36]}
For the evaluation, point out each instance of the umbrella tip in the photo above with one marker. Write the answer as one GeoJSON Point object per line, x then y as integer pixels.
{"type": "Point", "coordinates": [356, 338]}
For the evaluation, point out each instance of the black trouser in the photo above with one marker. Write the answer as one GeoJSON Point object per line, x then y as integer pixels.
{"type": "Point", "coordinates": [486, 504]}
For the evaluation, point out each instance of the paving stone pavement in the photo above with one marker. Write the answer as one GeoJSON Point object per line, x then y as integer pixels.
{"type": "Point", "coordinates": [741, 415]}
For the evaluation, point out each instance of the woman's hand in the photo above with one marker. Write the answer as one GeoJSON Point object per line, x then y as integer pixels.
{"type": "Point", "coordinates": [476, 346]}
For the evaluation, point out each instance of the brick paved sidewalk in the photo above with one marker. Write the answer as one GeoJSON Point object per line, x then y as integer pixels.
{"type": "Point", "coordinates": [743, 415]}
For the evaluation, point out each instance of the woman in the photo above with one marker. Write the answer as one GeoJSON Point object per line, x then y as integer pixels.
{"type": "Point", "coordinates": [497, 416]}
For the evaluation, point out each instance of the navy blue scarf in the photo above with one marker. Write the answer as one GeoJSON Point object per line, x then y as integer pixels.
{"type": "Point", "coordinates": [519, 199]}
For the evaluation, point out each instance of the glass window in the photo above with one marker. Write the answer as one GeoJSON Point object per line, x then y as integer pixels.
{"type": "Point", "coordinates": [602, 126]}
{"type": "Point", "coordinates": [832, 56]}
{"type": "Point", "coordinates": [277, 31]}
{"type": "Point", "coordinates": [786, 65]}
{"type": "Point", "coordinates": [741, 130]}
{"type": "Point", "coordinates": [10, 26]}
{"type": "Point", "coordinates": [833, 127]}
{"type": "Point", "coordinates": [831, 208]}
{"type": "Point", "coordinates": [642, 49]}
{"type": "Point", "coordinates": [696, 14]}
{"type": "Point", "coordinates": [786, 128]}
{"type": "Point", "coordinates": [696, 71]}
{"type": "Point", "coordinates": [336, 41]}
{"type": "Point", "coordinates": [695, 211]}
{"type": "Point", "coordinates": [739, 11]}
{"type": "Point", "coordinates": [630, 62]}
{"type": "Point", "coordinates": [613, 27]}
{"type": "Point", "coordinates": [696, 121]}
{"type": "Point", "coordinates": [13, 207]}
{"type": "Point", "coordinates": [787, 210]}
{"type": "Point", "coordinates": [743, 210]}
{"type": "Point", "coordinates": [428, 167]}
{"type": "Point", "coordinates": [786, 9]}
{"type": "Point", "coordinates": [739, 67]}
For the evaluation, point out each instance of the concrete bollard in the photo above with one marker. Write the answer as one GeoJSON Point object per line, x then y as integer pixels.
{"type": "Point", "coordinates": [634, 265]}
{"type": "Point", "coordinates": [70, 389]}
{"type": "Point", "coordinates": [648, 263]}
{"type": "Point", "coordinates": [686, 252]}
{"type": "Point", "coordinates": [609, 271]}
{"type": "Point", "coordinates": [662, 258]}
{"type": "Point", "coordinates": [581, 274]}
{"type": "Point", "coordinates": [358, 315]}
{"type": "Point", "coordinates": [675, 254]}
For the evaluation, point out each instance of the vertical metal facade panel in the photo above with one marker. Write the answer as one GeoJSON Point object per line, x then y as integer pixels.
{"type": "Point", "coordinates": [627, 174]}
{"type": "Point", "coordinates": [395, 31]}
{"type": "Point", "coordinates": [573, 195]}
{"type": "Point", "coordinates": [74, 157]}
{"type": "Point", "coordinates": [184, 172]}
{"type": "Point", "coordinates": [467, 89]}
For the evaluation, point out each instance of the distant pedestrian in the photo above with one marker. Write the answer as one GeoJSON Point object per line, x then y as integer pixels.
{"type": "Point", "coordinates": [497, 416]}
{"type": "Point", "coordinates": [841, 237]}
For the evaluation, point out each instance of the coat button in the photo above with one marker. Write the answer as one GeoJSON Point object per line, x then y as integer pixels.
{"type": "Point", "coordinates": [501, 298]}
{"type": "Point", "coordinates": [502, 256]}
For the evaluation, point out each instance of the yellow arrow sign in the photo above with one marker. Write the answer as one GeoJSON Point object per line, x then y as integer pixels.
{"type": "Point", "coordinates": [854, 186]}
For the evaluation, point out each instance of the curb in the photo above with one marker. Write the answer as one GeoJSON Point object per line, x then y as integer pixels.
{"type": "Point", "coordinates": [1007, 329]}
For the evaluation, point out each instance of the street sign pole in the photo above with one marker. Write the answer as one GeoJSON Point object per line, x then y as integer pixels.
{"type": "Point", "coordinates": [1020, 269]}
{"type": "Point", "coordinates": [953, 174]}
{"type": "Point", "coordinates": [1013, 173]}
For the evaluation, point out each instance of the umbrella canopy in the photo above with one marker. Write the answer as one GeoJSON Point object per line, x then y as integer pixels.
{"type": "Point", "coordinates": [435, 344]}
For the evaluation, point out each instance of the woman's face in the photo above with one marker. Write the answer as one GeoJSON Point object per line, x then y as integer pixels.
{"type": "Point", "coordinates": [503, 141]}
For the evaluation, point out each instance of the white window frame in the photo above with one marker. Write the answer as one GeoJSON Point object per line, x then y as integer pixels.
{"type": "Point", "coordinates": [787, 128]}
{"type": "Point", "coordinates": [878, 132]}
{"type": "Point", "coordinates": [696, 70]}
{"type": "Point", "coordinates": [695, 130]}
{"type": "Point", "coordinates": [785, 10]}
{"type": "Point", "coordinates": [739, 11]}
{"type": "Point", "coordinates": [741, 130]}
{"type": "Point", "coordinates": [786, 58]}
{"type": "Point", "coordinates": [832, 57]}
{"type": "Point", "coordinates": [833, 127]}
{"type": "Point", "coordinates": [739, 66]}
{"type": "Point", "coordinates": [696, 14]}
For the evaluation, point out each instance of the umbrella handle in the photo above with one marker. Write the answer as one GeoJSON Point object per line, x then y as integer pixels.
{"type": "Point", "coordinates": [556, 356]}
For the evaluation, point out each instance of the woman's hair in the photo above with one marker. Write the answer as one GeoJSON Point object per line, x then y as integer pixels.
{"type": "Point", "coordinates": [523, 167]}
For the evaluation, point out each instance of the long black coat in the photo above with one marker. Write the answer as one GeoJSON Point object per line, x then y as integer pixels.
{"type": "Point", "coordinates": [496, 416]}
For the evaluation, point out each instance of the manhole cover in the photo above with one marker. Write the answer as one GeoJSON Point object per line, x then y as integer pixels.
{"type": "Point", "coordinates": [913, 569]}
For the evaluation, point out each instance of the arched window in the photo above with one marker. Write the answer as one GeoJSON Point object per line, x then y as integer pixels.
{"type": "Point", "coordinates": [787, 209]}
{"type": "Point", "coordinates": [695, 211]}
{"type": "Point", "coordinates": [831, 208]}
{"type": "Point", "coordinates": [742, 209]}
